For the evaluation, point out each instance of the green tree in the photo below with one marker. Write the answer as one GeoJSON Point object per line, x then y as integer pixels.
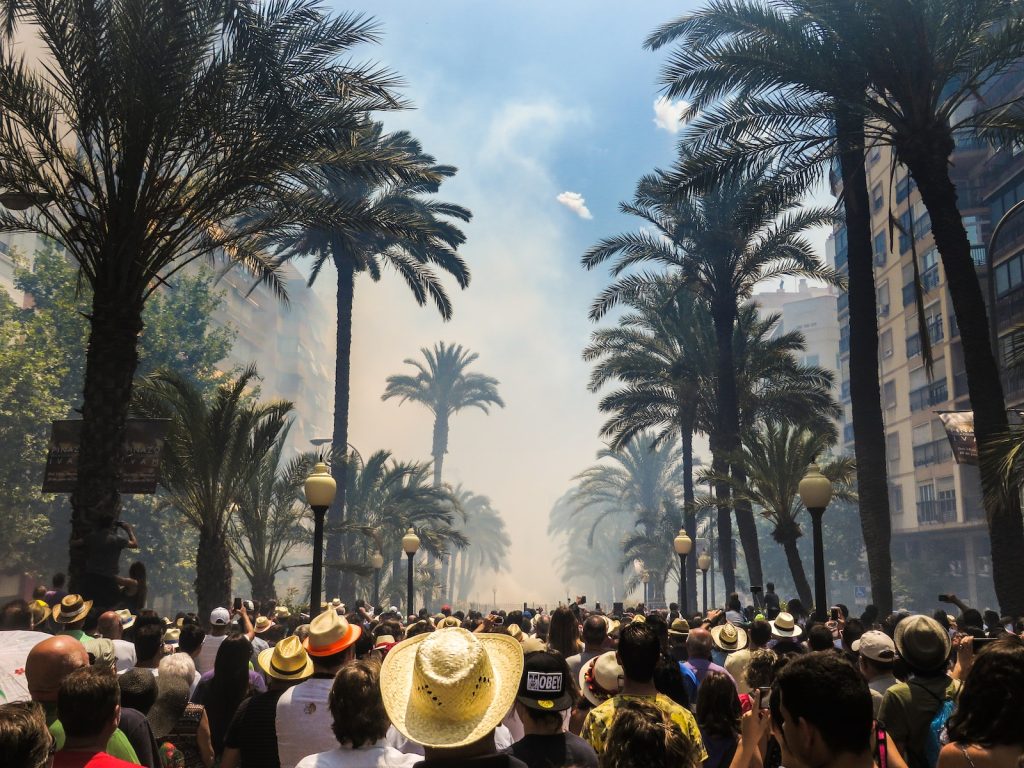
{"type": "Point", "coordinates": [158, 135]}
{"type": "Point", "coordinates": [214, 446]}
{"type": "Point", "coordinates": [400, 226]}
{"type": "Point", "coordinates": [718, 243]}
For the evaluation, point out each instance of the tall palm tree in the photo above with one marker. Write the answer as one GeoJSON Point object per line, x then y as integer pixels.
{"type": "Point", "coordinates": [718, 242]}
{"type": "Point", "coordinates": [484, 529]}
{"type": "Point", "coordinates": [213, 448]}
{"type": "Point", "coordinates": [775, 457]}
{"type": "Point", "coordinates": [269, 518]}
{"type": "Point", "coordinates": [402, 227]}
{"type": "Point", "coordinates": [583, 561]}
{"type": "Point", "coordinates": [919, 67]}
{"type": "Point", "coordinates": [146, 139]}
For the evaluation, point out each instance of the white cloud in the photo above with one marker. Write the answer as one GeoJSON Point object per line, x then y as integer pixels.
{"type": "Point", "coordinates": [574, 202]}
{"type": "Point", "coordinates": [669, 115]}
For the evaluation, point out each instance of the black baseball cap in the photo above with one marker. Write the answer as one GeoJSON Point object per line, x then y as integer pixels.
{"type": "Point", "coordinates": [545, 684]}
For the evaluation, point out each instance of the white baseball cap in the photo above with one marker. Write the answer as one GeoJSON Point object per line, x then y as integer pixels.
{"type": "Point", "coordinates": [876, 646]}
{"type": "Point", "coordinates": [220, 616]}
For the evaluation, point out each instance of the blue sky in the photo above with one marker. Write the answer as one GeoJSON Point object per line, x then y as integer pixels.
{"type": "Point", "coordinates": [530, 100]}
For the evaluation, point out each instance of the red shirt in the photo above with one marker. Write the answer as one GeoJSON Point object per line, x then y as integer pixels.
{"type": "Point", "coordinates": [67, 758]}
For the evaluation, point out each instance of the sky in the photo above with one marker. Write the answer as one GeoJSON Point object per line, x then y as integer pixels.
{"type": "Point", "coordinates": [551, 112]}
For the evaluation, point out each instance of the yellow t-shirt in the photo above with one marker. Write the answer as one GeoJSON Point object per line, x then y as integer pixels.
{"type": "Point", "coordinates": [599, 720]}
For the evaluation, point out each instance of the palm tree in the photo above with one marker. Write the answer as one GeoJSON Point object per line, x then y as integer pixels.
{"type": "Point", "coordinates": [584, 562]}
{"type": "Point", "coordinates": [918, 67]}
{"type": "Point", "coordinates": [404, 229]}
{"type": "Point", "coordinates": [269, 518]}
{"type": "Point", "coordinates": [146, 140]}
{"type": "Point", "coordinates": [718, 243]}
{"type": "Point", "coordinates": [775, 457]}
{"type": "Point", "coordinates": [484, 529]}
{"type": "Point", "coordinates": [214, 446]}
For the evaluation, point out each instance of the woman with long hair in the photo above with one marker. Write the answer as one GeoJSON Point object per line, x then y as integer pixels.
{"type": "Point", "coordinates": [718, 717]}
{"type": "Point", "coordinates": [133, 587]}
{"type": "Point", "coordinates": [643, 735]}
{"type": "Point", "coordinates": [564, 633]}
{"type": "Point", "coordinates": [228, 687]}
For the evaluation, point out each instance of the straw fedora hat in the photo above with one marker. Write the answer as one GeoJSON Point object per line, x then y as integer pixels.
{"type": "Point", "coordinates": [451, 687]}
{"type": "Point", "coordinates": [784, 625]}
{"type": "Point", "coordinates": [449, 621]}
{"type": "Point", "coordinates": [330, 633]}
{"type": "Point", "coordinates": [70, 609]}
{"type": "Point", "coordinates": [172, 636]}
{"type": "Point", "coordinates": [680, 629]}
{"type": "Point", "coordinates": [601, 678]}
{"type": "Point", "coordinates": [262, 625]}
{"type": "Point", "coordinates": [287, 660]}
{"type": "Point", "coordinates": [729, 637]}
{"type": "Point", "coordinates": [126, 617]}
{"type": "Point", "coordinates": [922, 643]}
{"type": "Point", "coordinates": [514, 630]}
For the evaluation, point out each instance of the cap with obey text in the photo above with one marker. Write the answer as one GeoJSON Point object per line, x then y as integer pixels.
{"type": "Point", "coordinates": [545, 683]}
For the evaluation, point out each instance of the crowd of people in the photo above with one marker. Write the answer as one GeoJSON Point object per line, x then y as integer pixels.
{"type": "Point", "coordinates": [260, 686]}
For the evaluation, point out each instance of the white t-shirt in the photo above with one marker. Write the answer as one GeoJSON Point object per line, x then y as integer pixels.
{"type": "Point", "coordinates": [303, 721]}
{"type": "Point", "coordinates": [124, 653]}
{"type": "Point", "coordinates": [378, 755]}
{"type": "Point", "coordinates": [208, 653]}
{"type": "Point", "coordinates": [502, 740]}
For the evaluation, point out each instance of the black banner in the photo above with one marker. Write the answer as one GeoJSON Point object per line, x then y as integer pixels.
{"type": "Point", "coordinates": [140, 468]}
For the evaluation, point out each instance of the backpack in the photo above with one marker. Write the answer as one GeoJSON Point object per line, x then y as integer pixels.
{"type": "Point", "coordinates": [936, 737]}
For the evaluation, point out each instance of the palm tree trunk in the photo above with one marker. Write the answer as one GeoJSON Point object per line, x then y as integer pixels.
{"type": "Point", "coordinates": [336, 582]}
{"type": "Point", "coordinates": [865, 390]}
{"type": "Point", "coordinates": [439, 443]}
{"type": "Point", "coordinates": [928, 163]}
{"type": "Point", "coordinates": [110, 363]}
{"type": "Point", "coordinates": [213, 571]}
{"type": "Point", "coordinates": [263, 587]}
{"type": "Point", "coordinates": [723, 313]}
{"type": "Point", "coordinates": [721, 467]}
{"type": "Point", "coordinates": [748, 531]}
{"type": "Point", "coordinates": [689, 513]}
{"type": "Point", "coordinates": [796, 565]}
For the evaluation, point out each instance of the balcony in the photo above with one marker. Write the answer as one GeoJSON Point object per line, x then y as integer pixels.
{"type": "Point", "coordinates": [930, 394]}
{"type": "Point", "coordinates": [844, 344]}
{"type": "Point", "coordinates": [935, 452]}
{"type": "Point", "coordinates": [843, 301]}
{"type": "Point", "coordinates": [936, 332]}
{"type": "Point", "coordinates": [936, 511]}
{"type": "Point", "coordinates": [929, 281]}
{"type": "Point", "coordinates": [960, 384]}
{"type": "Point", "coordinates": [978, 256]}
{"type": "Point", "coordinates": [844, 392]}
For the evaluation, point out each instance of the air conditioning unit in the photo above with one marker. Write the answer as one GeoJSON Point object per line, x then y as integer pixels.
{"type": "Point", "coordinates": [883, 310]}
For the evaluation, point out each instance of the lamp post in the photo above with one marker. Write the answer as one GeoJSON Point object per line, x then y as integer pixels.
{"type": "Point", "coordinates": [320, 489]}
{"type": "Point", "coordinates": [815, 492]}
{"type": "Point", "coordinates": [410, 543]}
{"type": "Point", "coordinates": [377, 561]}
{"type": "Point", "coordinates": [704, 562]}
{"type": "Point", "coordinates": [683, 544]}
{"type": "Point", "coordinates": [646, 577]}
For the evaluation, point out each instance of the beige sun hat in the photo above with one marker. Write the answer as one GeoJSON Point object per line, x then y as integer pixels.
{"type": "Point", "coordinates": [262, 625]}
{"type": "Point", "coordinates": [71, 609]}
{"type": "Point", "coordinates": [784, 625]}
{"type": "Point", "coordinates": [287, 660]}
{"type": "Point", "coordinates": [330, 633]}
{"type": "Point", "coordinates": [451, 687]}
{"type": "Point", "coordinates": [729, 637]}
{"type": "Point", "coordinates": [514, 630]}
{"type": "Point", "coordinates": [601, 678]}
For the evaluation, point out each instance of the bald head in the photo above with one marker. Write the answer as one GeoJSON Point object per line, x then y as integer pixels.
{"type": "Point", "coordinates": [49, 662]}
{"type": "Point", "coordinates": [698, 644]}
{"type": "Point", "coordinates": [109, 626]}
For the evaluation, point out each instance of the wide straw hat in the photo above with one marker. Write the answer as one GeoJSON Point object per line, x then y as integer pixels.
{"type": "Point", "coordinates": [384, 643]}
{"type": "Point", "coordinates": [514, 630]}
{"type": "Point", "coordinates": [70, 609]}
{"type": "Point", "coordinates": [449, 621]}
{"type": "Point", "coordinates": [172, 636]}
{"type": "Point", "coordinates": [729, 637]}
{"type": "Point", "coordinates": [287, 660]}
{"type": "Point", "coordinates": [451, 687]}
{"type": "Point", "coordinates": [330, 633]}
{"type": "Point", "coordinates": [680, 629]}
{"type": "Point", "coordinates": [262, 625]}
{"type": "Point", "coordinates": [784, 625]}
{"type": "Point", "coordinates": [922, 643]}
{"type": "Point", "coordinates": [126, 617]}
{"type": "Point", "coordinates": [601, 678]}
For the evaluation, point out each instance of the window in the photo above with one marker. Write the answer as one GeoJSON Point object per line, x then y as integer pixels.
{"type": "Point", "coordinates": [973, 226]}
{"type": "Point", "coordinates": [879, 249]}
{"type": "Point", "coordinates": [842, 247]}
{"type": "Point", "coordinates": [889, 395]}
{"type": "Point", "coordinates": [811, 360]}
{"type": "Point", "coordinates": [904, 230]}
{"type": "Point", "coordinates": [895, 499]}
{"type": "Point", "coordinates": [877, 200]}
{"type": "Point", "coordinates": [903, 188]}
{"type": "Point", "coordinates": [885, 344]}
{"type": "Point", "coordinates": [1010, 274]}
{"type": "Point", "coordinates": [882, 299]}
{"type": "Point", "coordinates": [892, 452]}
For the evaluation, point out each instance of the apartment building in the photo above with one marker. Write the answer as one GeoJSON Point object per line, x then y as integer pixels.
{"type": "Point", "coordinates": [938, 521]}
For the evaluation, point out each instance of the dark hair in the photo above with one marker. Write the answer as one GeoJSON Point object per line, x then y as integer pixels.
{"type": "Point", "coordinates": [760, 632]}
{"type": "Point", "coordinates": [852, 631]}
{"type": "Point", "coordinates": [870, 615]}
{"type": "Point", "coordinates": [191, 638]}
{"type": "Point", "coordinates": [595, 630]}
{"type": "Point", "coordinates": [942, 617]}
{"type": "Point", "coordinates": [796, 609]}
{"type": "Point", "coordinates": [770, 586]}
{"type": "Point", "coordinates": [138, 690]}
{"type": "Point", "coordinates": [563, 632]}
{"type": "Point", "coordinates": [971, 618]}
{"type": "Point", "coordinates": [669, 680]}
{"type": "Point", "coordinates": [639, 650]}
{"type": "Point", "coordinates": [357, 708]}
{"type": "Point", "coordinates": [58, 580]}
{"type": "Point", "coordinates": [137, 570]}
{"type": "Point", "coordinates": [659, 626]}
{"type": "Point", "coordinates": [990, 711]}
{"type": "Point", "coordinates": [228, 686]}
{"type": "Point", "coordinates": [86, 702]}
{"type": "Point", "coordinates": [718, 707]}
{"type": "Point", "coordinates": [827, 692]}
{"type": "Point", "coordinates": [24, 738]}
{"type": "Point", "coordinates": [733, 603]}
{"type": "Point", "coordinates": [15, 615]}
{"type": "Point", "coordinates": [819, 638]}
{"type": "Point", "coordinates": [642, 735]}
{"type": "Point", "coordinates": [148, 641]}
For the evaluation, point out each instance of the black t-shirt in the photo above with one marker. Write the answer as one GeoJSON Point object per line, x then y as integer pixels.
{"type": "Point", "coordinates": [501, 760]}
{"type": "Point", "coordinates": [554, 751]}
{"type": "Point", "coordinates": [135, 727]}
{"type": "Point", "coordinates": [253, 731]}
{"type": "Point", "coordinates": [104, 547]}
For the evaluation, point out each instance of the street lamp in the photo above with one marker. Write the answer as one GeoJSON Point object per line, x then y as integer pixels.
{"type": "Point", "coordinates": [646, 577]}
{"type": "Point", "coordinates": [704, 562]}
{"type": "Point", "coordinates": [320, 489]}
{"type": "Point", "coordinates": [683, 544]}
{"type": "Point", "coordinates": [20, 201]}
{"type": "Point", "coordinates": [815, 492]}
{"type": "Point", "coordinates": [410, 543]}
{"type": "Point", "coordinates": [377, 561]}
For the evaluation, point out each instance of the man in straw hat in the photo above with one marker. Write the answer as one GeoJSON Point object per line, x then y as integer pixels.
{"type": "Point", "coordinates": [251, 739]}
{"type": "Point", "coordinates": [784, 627]}
{"type": "Point", "coordinates": [638, 653]}
{"type": "Point", "coordinates": [448, 691]}
{"type": "Point", "coordinates": [302, 714]}
{"type": "Point", "coordinates": [70, 615]}
{"type": "Point", "coordinates": [908, 709]}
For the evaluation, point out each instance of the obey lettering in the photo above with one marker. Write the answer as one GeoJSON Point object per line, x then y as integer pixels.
{"type": "Point", "coordinates": [544, 682]}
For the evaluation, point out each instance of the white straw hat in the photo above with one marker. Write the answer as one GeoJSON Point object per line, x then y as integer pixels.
{"type": "Point", "coordinates": [785, 626]}
{"type": "Point", "coordinates": [601, 678]}
{"type": "Point", "coordinates": [450, 688]}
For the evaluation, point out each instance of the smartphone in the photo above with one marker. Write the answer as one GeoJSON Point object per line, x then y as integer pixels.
{"type": "Point", "coordinates": [980, 642]}
{"type": "Point", "coordinates": [835, 614]}
{"type": "Point", "coordinates": [238, 603]}
{"type": "Point", "coordinates": [766, 693]}
{"type": "Point", "coordinates": [944, 598]}
{"type": "Point", "coordinates": [498, 621]}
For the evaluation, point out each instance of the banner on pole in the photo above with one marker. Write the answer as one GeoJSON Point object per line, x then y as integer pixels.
{"type": "Point", "coordinates": [960, 431]}
{"type": "Point", "coordinates": [140, 466]}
